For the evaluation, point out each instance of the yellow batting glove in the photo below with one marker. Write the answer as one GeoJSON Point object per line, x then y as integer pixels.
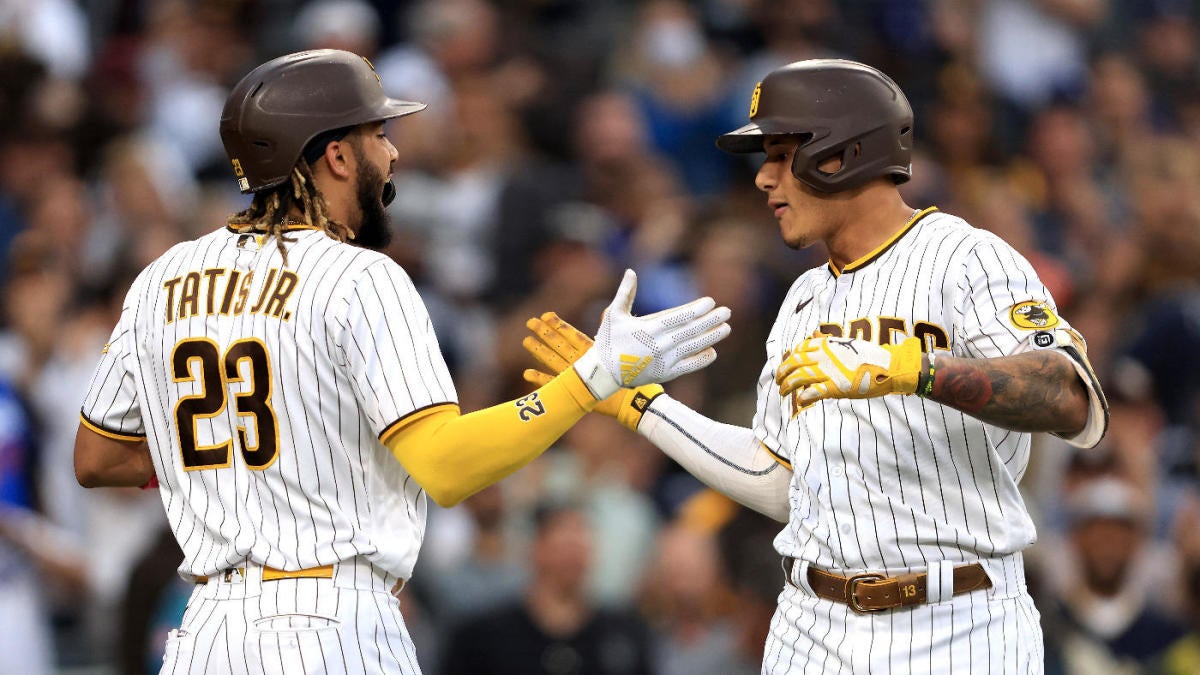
{"type": "Point", "coordinates": [831, 367]}
{"type": "Point", "coordinates": [556, 344]}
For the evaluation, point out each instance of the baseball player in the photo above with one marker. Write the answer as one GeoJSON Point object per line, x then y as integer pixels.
{"type": "Point", "coordinates": [283, 384]}
{"type": "Point", "coordinates": [895, 408]}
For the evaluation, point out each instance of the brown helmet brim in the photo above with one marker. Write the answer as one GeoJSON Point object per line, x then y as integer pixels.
{"type": "Point", "coordinates": [394, 107]}
{"type": "Point", "coordinates": [749, 139]}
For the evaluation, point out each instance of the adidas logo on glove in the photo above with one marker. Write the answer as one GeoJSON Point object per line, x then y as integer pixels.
{"type": "Point", "coordinates": [632, 366]}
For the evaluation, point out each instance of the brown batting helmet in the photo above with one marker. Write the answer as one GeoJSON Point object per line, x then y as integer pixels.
{"type": "Point", "coordinates": [277, 109]}
{"type": "Point", "coordinates": [838, 108]}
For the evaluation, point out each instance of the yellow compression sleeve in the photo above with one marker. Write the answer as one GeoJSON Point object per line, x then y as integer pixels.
{"type": "Point", "coordinates": [454, 456]}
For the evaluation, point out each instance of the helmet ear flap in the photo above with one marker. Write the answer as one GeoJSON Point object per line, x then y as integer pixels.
{"type": "Point", "coordinates": [846, 157]}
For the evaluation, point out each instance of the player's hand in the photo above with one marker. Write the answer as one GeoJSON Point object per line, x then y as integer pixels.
{"type": "Point", "coordinates": [832, 367]}
{"type": "Point", "coordinates": [631, 351]}
{"type": "Point", "coordinates": [557, 344]}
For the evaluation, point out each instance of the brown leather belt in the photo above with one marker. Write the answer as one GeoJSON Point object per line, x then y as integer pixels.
{"type": "Point", "coordinates": [870, 592]}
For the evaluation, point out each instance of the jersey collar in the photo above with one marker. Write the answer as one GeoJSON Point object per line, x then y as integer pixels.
{"type": "Point", "coordinates": [293, 227]}
{"type": "Point", "coordinates": [868, 258]}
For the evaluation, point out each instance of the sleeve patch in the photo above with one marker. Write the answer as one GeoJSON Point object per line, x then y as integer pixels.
{"type": "Point", "coordinates": [1032, 315]}
{"type": "Point", "coordinates": [1043, 340]}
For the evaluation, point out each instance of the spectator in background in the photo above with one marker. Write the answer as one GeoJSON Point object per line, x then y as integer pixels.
{"type": "Point", "coordinates": [349, 25]}
{"type": "Point", "coordinates": [57, 331]}
{"type": "Point", "coordinates": [489, 575]}
{"type": "Point", "coordinates": [688, 605]}
{"type": "Point", "coordinates": [556, 629]}
{"type": "Point", "coordinates": [1183, 656]}
{"type": "Point", "coordinates": [752, 570]}
{"type": "Point", "coordinates": [25, 642]}
{"type": "Point", "coordinates": [1110, 620]}
{"type": "Point", "coordinates": [1033, 51]}
{"type": "Point", "coordinates": [1165, 37]}
{"type": "Point", "coordinates": [192, 53]}
{"type": "Point", "coordinates": [723, 266]}
{"type": "Point", "coordinates": [607, 474]}
{"type": "Point", "coordinates": [54, 31]}
{"type": "Point", "coordinates": [678, 82]}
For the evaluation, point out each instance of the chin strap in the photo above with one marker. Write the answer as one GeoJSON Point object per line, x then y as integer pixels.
{"type": "Point", "coordinates": [389, 193]}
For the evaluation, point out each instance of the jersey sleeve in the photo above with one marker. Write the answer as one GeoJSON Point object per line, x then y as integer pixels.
{"type": "Point", "coordinates": [1001, 304]}
{"type": "Point", "coordinates": [111, 406]}
{"type": "Point", "coordinates": [392, 353]}
{"type": "Point", "coordinates": [769, 416]}
{"type": "Point", "coordinates": [1005, 310]}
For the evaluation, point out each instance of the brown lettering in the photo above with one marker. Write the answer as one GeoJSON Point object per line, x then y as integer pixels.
{"type": "Point", "coordinates": [283, 289]}
{"type": "Point", "coordinates": [212, 273]}
{"type": "Point", "coordinates": [170, 286]}
{"type": "Point", "coordinates": [266, 289]}
{"type": "Point", "coordinates": [189, 296]}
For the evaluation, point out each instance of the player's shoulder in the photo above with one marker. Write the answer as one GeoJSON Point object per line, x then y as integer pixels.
{"type": "Point", "coordinates": [184, 251]}
{"type": "Point", "coordinates": [358, 261]}
{"type": "Point", "coordinates": [957, 236]}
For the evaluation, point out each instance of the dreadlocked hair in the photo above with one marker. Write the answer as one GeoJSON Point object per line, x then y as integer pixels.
{"type": "Point", "coordinates": [269, 210]}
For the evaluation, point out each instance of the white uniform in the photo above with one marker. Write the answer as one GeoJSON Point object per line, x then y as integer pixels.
{"type": "Point", "coordinates": [900, 484]}
{"type": "Point", "coordinates": [263, 390]}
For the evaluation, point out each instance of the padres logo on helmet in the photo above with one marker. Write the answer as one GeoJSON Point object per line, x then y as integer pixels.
{"type": "Point", "coordinates": [1032, 315]}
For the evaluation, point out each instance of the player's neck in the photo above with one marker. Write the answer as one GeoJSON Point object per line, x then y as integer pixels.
{"type": "Point", "coordinates": [872, 218]}
{"type": "Point", "coordinates": [339, 197]}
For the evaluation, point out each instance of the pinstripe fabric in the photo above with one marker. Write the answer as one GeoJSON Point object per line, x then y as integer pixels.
{"type": "Point", "coordinates": [289, 627]}
{"type": "Point", "coordinates": [893, 483]}
{"type": "Point", "coordinates": [974, 633]}
{"type": "Point", "coordinates": [224, 355]}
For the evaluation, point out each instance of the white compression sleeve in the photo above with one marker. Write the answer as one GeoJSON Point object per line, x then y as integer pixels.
{"type": "Point", "coordinates": [728, 459]}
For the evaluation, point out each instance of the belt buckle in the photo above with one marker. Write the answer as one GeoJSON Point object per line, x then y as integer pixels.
{"type": "Point", "coordinates": [852, 586]}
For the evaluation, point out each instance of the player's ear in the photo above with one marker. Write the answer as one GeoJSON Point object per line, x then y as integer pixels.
{"type": "Point", "coordinates": [335, 159]}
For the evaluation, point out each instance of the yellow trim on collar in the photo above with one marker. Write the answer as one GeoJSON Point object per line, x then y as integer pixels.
{"type": "Point", "coordinates": [850, 267]}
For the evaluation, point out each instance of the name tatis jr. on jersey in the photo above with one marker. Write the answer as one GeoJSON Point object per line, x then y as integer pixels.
{"type": "Point", "coordinates": [216, 290]}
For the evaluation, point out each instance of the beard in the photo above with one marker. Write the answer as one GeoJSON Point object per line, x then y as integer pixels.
{"type": "Point", "coordinates": [375, 232]}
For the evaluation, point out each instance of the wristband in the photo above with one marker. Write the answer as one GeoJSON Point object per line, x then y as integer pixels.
{"type": "Point", "coordinates": [926, 387]}
{"type": "Point", "coordinates": [593, 373]}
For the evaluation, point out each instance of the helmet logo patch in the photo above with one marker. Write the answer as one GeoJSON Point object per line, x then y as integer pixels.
{"type": "Point", "coordinates": [754, 100]}
{"type": "Point", "coordinates": [1032, 315]}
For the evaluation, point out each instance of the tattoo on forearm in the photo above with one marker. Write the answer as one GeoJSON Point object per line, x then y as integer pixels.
{"type": "Point", "coordinates": [1037, 391]}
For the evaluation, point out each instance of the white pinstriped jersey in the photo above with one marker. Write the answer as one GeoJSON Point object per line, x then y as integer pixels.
{"type": "Point", "coordinates": [898, 481]}
{"type": "Point", "coordinates": [263, 390]}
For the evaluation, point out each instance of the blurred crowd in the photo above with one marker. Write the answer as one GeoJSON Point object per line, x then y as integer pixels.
{"type": "Point", "coordinates": [566, 140]}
